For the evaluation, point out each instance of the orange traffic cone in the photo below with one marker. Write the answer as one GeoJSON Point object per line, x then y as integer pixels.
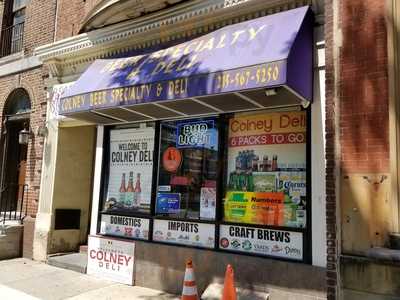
{"type": "Point", "coordinates": [189, 291]}
{"type": "Point", "coordinates": [229, 292]}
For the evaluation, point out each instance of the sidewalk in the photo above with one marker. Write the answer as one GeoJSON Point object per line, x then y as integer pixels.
{"type": "Point", "coordinates": [23, 279]}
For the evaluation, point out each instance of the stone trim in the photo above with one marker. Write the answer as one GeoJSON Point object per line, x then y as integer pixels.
{"type": "Point", "coordinates": [161, 28]}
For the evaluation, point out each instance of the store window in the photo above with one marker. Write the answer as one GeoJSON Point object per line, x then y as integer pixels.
{"type": "Point", "coordinates": [266, 184]}
{"type": "Point", "coordinates": [188, 173]}
{"type": "Point", "coordinates": [187, 182]}
{"type": "Point", "coordinates": [129, 181]}
{"type": "Point", "coordinates": [237, 182]}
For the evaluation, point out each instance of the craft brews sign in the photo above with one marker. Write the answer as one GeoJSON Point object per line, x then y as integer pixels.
{"type": "Point", "coordinates": [111, 259]}
{"type": "Point", "coordinates": [268, 242]}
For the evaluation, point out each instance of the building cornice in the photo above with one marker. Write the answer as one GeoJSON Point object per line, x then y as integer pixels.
{"type": "Point", "coordinates": [71, 55]}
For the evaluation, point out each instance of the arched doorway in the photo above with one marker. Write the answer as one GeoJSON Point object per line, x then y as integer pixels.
{"type": "Point", "coordinates": [15, 129]}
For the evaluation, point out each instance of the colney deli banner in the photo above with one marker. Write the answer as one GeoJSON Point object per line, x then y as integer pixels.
{"type": "Point", "coordinates": [267, 169]}
{"type": "Point", "coordinates": [130, 170]}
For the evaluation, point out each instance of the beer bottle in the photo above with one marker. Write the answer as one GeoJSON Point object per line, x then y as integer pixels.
{"type": "Point", "coordinates": [122, 190]}
{"type": "Point", "coordinates": [129, 191]}
{"type": "Point", "coordinates": [269, 163]}
{"type": "Point", "coordinates": [138, 190]}
{"type": "Point", "coordinates": [265, 163]}
{"type": "Point", "coordinates": [255, 163]}
{"type": "Point", "coordinates": [274, 165]}
{"type": "Point", "coordinates": [250, 183]}
{"type": "Point", "coordinates": [231, 184]}
{"type": "Point", "coordinates": [243, 182]}
{"type": "Point", "coordinates": [238, 162]}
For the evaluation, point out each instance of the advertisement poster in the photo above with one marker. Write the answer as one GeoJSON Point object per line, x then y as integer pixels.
{"type": "Point", "coordinates": [111, 259]}
{"type": "Point", "coordinates": [269, 242]}
{"type": "Point", "coordinates": [208, 199]}
{"type": "Point", "coordinates": [168, 203]}
{"type": "Point", "coordinates": [267, 169]}
{"type": "Point", "coordinates": [130, 170]}
{"type": "Point", "coordinates": [127, 227]}
{"type": "Point", "coordinates": [184, 233]}
{"type": "Point", "coordinates": [255, 208]}
{"type": "Point", "coordinates": [172, 159]}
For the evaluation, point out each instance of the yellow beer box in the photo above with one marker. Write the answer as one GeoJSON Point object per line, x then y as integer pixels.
{"type": "Point", "coordinates": [235, 206]}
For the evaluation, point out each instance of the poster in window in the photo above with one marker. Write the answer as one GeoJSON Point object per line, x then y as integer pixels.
{"type": "Point", "coordinates": [130, 170]}
{"type": "Point", "coordinates": [266, 182]}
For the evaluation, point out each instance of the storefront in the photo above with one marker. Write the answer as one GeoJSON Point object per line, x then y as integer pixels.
{"type": "Point", "coordinates": [204, 150]}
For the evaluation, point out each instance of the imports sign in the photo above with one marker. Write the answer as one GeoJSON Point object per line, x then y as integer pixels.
{"type": "Point", "coordinates": [262, 241]}
{"type": "Point", "coordinates": [128, 227]}
{"type": "Point", "coordinates": [184, 233]}
{"type": "Point", "coordinates": [111, 259]}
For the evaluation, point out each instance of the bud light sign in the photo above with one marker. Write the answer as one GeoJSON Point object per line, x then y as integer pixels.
{"type": "Point", "coordinates": [197, 134]}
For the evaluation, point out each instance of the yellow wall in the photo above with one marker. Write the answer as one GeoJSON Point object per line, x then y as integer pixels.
{"type": "Point", "coordinates": [73, 183]}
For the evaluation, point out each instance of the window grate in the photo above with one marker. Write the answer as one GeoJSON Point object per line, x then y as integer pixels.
{"type": "Point", "coordinates": [12, 39]}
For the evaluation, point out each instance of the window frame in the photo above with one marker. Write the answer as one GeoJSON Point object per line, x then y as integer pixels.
{"type": "Point", "coordinates": [105, 174]}
{"type": "Point", "coordinates": [223, 130]}
{"type": "Point", "coordinates": [218, 171]}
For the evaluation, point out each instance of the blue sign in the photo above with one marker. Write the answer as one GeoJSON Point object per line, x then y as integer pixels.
{"type": "Point", "coordinates": [197, 134]}
{"type": "Point", "coordinates": [269, 51]}
{"type": "Point", "coordinates": [168, 203]}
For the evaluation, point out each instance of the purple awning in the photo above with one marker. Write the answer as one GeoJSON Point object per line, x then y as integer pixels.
{"type": "Point", "coordinates": [266, 52]}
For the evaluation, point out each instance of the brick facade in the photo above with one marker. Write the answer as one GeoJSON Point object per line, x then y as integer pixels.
{"type": "Point", "coordinates": [32, 82]}
{"type": "Point", "coordinates": [357, 121]}
{"type": "Point", "coordinates": [357, 128]}
{"type": "Point", "coordinates": [71, 16]}
{"type": "Point", "coordinates": [39, 30]}
{"type": "Point", "coordinates": [364, 115]}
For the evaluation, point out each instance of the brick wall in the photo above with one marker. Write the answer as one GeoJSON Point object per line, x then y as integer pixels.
{"type": "Point", "coordinates": [330, 154]}
{"type": "Point", "coordinates": [39, 24]}
{"type": "Point", "coordinates": [358, 97]}
{"type": "Point", "coordinates": [39, 30]}
{"type": "Point", "coordinates": [32, 82]}
{"type": "Point", "coordinates": [71, 14]}
{"type": "Point", "coordinates": [364, 114]}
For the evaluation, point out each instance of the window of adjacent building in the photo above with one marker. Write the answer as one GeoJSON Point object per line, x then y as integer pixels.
{"type": "Point", "coordinates": [188, 169]}
{"type": "Point", "coordinates": [13, 27]}
{"type": "Point", "coordinates": [266, 169]}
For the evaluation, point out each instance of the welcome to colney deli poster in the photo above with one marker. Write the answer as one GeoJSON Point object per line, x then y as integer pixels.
{"type": "Point", "coordinates": [130, 170]}
{"type": "Point", "coordinates": [267, 169]}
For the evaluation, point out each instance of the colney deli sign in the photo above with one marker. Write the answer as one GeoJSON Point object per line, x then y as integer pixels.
{"type": "Point", "coordinates": [111, 259]}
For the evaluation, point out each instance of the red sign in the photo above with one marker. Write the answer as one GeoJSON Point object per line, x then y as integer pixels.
{"type": "Point", "coordinates": [172, 159]}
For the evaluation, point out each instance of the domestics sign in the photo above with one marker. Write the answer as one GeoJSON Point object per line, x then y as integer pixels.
{"type": "Point", "coordinates": [128, 227]}
{"type": "Point", "coordinates": [111, 259]}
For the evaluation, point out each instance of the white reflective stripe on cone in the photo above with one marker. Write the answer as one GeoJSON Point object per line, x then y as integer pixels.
{"type": "Point", "coordinates": [189, 275]}
{"type": "Point", "coordinates": [189, 290]}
